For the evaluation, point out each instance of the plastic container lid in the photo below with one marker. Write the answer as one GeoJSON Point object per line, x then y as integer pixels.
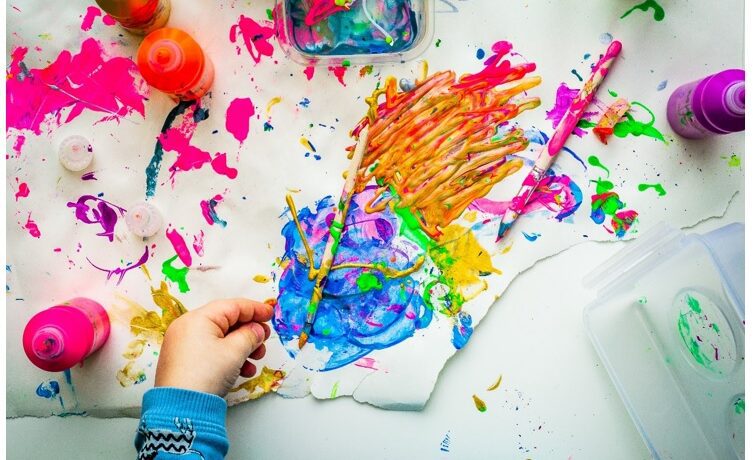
{"type": "Point", "coordinates": [720, 100]}
{"type": "Point", "coordinates": [668, 324]}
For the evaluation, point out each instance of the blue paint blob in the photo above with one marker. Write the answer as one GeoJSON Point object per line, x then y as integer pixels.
{"type": "Point", "coordinates": [662, 85]}
{"type": "Point", "coordinates": [606, 38]}
{"type": "Point", "coordinates": [268, 126]}
{"type": "Point", "coordinates": [480, 54]}
{"type": "Point", "coordinates": [532, 236]}
{"type": "Point", "coordinates": [586, 56]}
{"type": "Point", "coordinates": [49, 389]}
{"type": "Point", "coordinates": [462, 330]}
{"type": "Point", "coordinates": [304, 102]}
{"type": "Point", "coordinates": [349, 323]}
{"type": "Point", "coordinates": [575, 72]}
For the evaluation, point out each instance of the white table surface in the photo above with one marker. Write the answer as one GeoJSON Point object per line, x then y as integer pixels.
{"type": "Point", "coordinates": [551, 377]}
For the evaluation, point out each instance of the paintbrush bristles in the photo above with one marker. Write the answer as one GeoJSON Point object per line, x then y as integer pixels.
{"type": "Point", "coordinates": [334, 234]}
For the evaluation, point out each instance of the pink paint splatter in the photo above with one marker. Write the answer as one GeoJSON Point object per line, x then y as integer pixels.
{"type": "Point", "coordinates": [178, 139]}
{"type": "Point", "coordinates": [58, 250]}
{"type": "Point", "coordinates": [73, 83]}
{"type": "Point", "coordinates": [562, 102]}
{"type": "Point", "coordinates": [179, 244]}
{"type": "Point", "coordinates": [18, 144]}
{"type": "Point", "coordinates": [122, 271]}
{"type": "Point", "coordinates": [210, 213]}
{"type": "Point", "coordinates": [198, 244]}
{"type": "Point", "coordinates": [92, 13]}
{"type": "Point", "coordinates": [309, 72]}
{"type": "Point", "coordinates": [23, 190]}
{"type": "Point", "coordinates": [32, 227]}
{"type": "Point", "coordinates": [368, 363]}
{"type": "Point", "coordinates": [255, 37]}
{"type": "Point", "coordinates": [339, 72]}
{"type": "Point", "coordinates": [108, 20]}
{"type": "Point", "coordinates": [237, 117]}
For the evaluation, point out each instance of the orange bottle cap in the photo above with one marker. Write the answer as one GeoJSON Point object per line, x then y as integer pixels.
{"type": "Point", "coordinates": [170, 60]}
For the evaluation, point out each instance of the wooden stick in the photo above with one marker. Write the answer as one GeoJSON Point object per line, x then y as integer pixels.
{"type": "Point", "coordinates": [335, 233]}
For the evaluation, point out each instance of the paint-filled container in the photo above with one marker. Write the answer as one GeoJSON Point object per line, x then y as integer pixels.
{"type": "Point", "coordinates": [345, 32]}
{"type": "Point", "coordinates": [173, 62]}
{"type": "Point", "coordinates": [138, 16]}
{"type": "Point", "coordinates": [668, 324]}
{"type": "Point", "coordinates": [709, 106]}
{"type": "Point", "coordinates": [60, 337]}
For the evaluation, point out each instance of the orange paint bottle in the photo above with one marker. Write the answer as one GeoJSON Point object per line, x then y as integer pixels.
{"type": "Point", "coordinates": [171, 61]}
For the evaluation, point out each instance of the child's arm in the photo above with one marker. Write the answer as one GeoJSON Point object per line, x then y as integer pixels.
{"type": "Point", "coordinates": [202, 355]}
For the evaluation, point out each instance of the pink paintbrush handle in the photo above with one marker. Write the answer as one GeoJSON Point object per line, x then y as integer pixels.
{"type": "Point", "coordinates": [579, 105]}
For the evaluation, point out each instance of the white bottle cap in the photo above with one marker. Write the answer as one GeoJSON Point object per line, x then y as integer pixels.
{"type": "Point", "coordinates": [76, 153]}
{"type": "Point", "coordinates": [144, 219]}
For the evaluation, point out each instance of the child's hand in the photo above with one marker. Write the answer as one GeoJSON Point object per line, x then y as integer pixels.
{"type": "Point", "coordinates": [208, 348]}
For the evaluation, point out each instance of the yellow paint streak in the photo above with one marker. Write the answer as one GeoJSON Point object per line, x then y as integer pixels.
{"type": "Point", "coordinates": [130, 374]}
{"type": "Point", "coordinates": [171, 307]}
{"type": "Point", "coordinates": [272, 102]}
{"type": "Point", "coordinates": [313, 271]}
{"type": "Point", "coordinates": [480, 404]}
{"type": "Point", "coordinates": [268, 380]}
{"type": "Point", "coordinates": [134, 349]}
{"type": "Point", "coordinates": [146, 272]}
{"type": "Point", "coordinates": [262, 279]}
{"type": "Point", "coordinates": [389, 272]}
{"type": "Point", "coordinates": [471, 216]}
{"type": "Point", "coordinates": [496, 384]}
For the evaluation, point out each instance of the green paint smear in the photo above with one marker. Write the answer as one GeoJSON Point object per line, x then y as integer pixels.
{"type": "Point", "coordinates": [733, 161]}
{"type": "Point", "coordinates": [658, 10]}
{"type": "Point", "coordinates": [270, 16]}
{"type": "Point", "coordinates": [333, 393]}
{"type": "Point", "coordinates": [439, 41]}
{"type": "Point", "coordinates": [658, 187]}
{"type": "Point", "coordinates": [367, 281]}
{"type": "Point", "coordinates": [585, 124]}
{"type": "Point", "coordinates": [638, 128]}
{"type": "Point", "coordinates": [690, 342]}
{"type": "Point", "coordinates": [176, 275]}
{"type": "Point", "coordinates": [643, 300]}
{"type": "Point", "coordinates": [694, 304]}
{"type": "Point", "coordinates": [594, 161]}
{"type": "Point", "coordinates": [740, 406]}
{"type": "Point", "coordinates": [612, 93]}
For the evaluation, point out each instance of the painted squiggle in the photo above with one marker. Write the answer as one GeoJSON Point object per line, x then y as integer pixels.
{"type": "Point", "coordinates": [606, 202]}
{"type": "Point", "coordinates": [437, 146]}
{"type": "Point", "coordinates": [32, 227]}
{"type": "Point", "coordinates": [645, 6]}
{"type": "Point", "coordinates": [60, 92]}
{"type": "Point", "coordinates": [210, 213]}
{"type": "Point", "coordinates": [255, 37]}
{"type": "Point", "coordinates": [175, 274]}
{"type": "Point", "coordinates": [179, 244]}
{"type": "Point", "coordinates": [100, 212]}
{"type": "Point", "coordinates": [152, 170]}
{"type": "Point", "coordinates": [23, 190]}
{"type": "Point", "coordinates": [121, 271]}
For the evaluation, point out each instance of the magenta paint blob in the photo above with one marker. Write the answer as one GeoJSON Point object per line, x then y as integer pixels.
{"type": "Point", "coordinates": [709, 106]}
{"type": "Point", "coordinates": [60, 337]}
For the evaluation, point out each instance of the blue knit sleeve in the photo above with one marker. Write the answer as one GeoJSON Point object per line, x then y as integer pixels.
{"type": "Point", "coordinates": [181, 425]}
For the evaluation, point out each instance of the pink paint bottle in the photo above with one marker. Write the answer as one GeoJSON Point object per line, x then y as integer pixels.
{"type": "Point", "coordinates": [60, 337]}
{"type": "Point", "coordinates": [709, 106]}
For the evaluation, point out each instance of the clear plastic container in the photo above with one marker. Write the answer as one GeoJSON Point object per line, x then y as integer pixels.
{"type": "Point", "coordinates": [316, 32]}
{"type": "Point", "coordinates": [668, 324]}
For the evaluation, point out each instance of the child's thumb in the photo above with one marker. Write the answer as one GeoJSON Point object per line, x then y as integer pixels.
{"type": "Point", "coordinates": [246, 338]}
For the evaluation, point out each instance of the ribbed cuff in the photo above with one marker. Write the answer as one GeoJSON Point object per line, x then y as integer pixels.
{"type": "Point", "coordinates": [163, 404]}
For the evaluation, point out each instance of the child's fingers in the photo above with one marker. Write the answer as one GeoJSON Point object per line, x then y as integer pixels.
{"type": "Point", "coordinates": [267, 330]}
{"type": "Point", "coordinates": [258, 353]}
{"type": "Point", "coordinates": [245, 339]}
{"type": "Point", "coordinates": [226, 313]}
{"type": "Point", "coordinates": [248, 369]}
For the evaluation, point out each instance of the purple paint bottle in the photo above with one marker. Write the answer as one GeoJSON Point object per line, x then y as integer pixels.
{"type": "Point", "coordinates": [709, 106]}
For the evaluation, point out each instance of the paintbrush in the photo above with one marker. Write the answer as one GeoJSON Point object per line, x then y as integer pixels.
{"type": "Point", "coordinates": [549, 151]}
{"type": "Point", "coordinates": [334, 235]}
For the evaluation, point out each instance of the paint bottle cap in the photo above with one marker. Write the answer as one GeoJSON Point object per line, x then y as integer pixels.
{"type": "Point", "coordinates": [47, 342]}
{"type": "Point", "coordinates": [719, 101]}
{"type": "Point", "coordinates": [144, 219]}
{"type": "Point", "coordinates": [75, 153]}
{"type": "Point", "coordinates": [170, 60]}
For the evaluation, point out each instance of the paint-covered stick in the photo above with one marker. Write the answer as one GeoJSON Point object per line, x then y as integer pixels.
{"type": "Point", "coordinates": [335, 233]}
{"type": "Point", "coordinates": [549, 151]}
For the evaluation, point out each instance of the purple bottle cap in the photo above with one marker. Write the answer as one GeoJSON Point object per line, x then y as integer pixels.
{"type": "Point", "coordinates": [719, 102]}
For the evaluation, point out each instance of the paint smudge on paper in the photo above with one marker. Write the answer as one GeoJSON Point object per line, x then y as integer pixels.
{"type": "Point", "coordinates": [267, 381]}
{"type": "Point", "coordinates": [209, 211]}
{"type": "Point", "coordinates": [130, 375]}
{"type": "Point", "coordinates": [339, 73]}
{"type": "Point", "coordinates": [605, 202]}
{"type": "Point", "coordinates": [198, 244]}
{"type": "Point", "coordinates": [562, 102]}
{"type": "Point", "coordinates": [88, 176]}
{"type": "Point", "coordinates": [309, 72]}
{"type": "Point", "coordinates": [98, 212]}
{"type": "Point", "coordinates": [638, 128]}
{"type": "Point", "coordinates": [531, 236]}
{"type": "Point", "coordinates": [739, 406]}
{"type": "Point", "coordinates": [238, 116]}
{"type": "Point", "coordinates": [92, 13]}
{"type": "Point", "coordinates": [662, 85]}
{"type": "Point", "coordinates": [32, 227]}
{"type": "Point", "coordinates": [733, 161]}
{"type": "Point", "coordinates": [180, 246]}
{"type": "Point", "coordinates": [262, 279]}
{"type": "Point", "coordinates": [59, 93]}
{"type": "Point", "coordinates": [255, 37]}
{"type": "Point", "coordinates": [462, 329]}
{"type": "Point", "coordinates": [496, 384]}
{"type": "Point", "coordinates": [175, 274]}
{"type": "Point", "coordinates": [23, 190]}
{"type": "Point", "coordinates": [48, 390]}
{"type": "Point", "coordinates": [645, 6]}
{"type": "Point", "coordinates": [152, 170]}
{"type": "Point", "coordinates": [479, 403]}
{"type": "Point", "coordinates": [657, 187]}
{"type": "Point", "coordinates": [366, 363]}
{"type": "Point", "coordinates": [121, 271]}
{"type": "Point", "coordinates": [605, 127]}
